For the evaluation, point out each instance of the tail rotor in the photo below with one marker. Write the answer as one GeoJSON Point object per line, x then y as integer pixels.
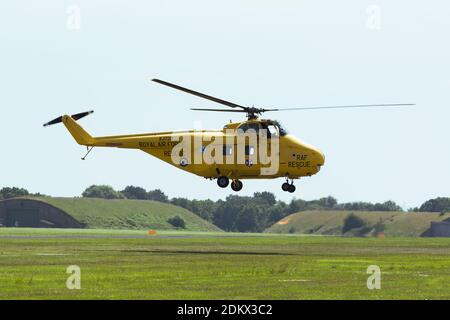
{"type": "Point", "coordinates": [75, 117]}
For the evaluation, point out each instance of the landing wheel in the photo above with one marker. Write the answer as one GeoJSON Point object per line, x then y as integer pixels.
{"type": "Point", "coordinates": [236, 185]}
{"type": "Point", "coordinates": [291, 188]}
{"type": "Point", "coordinates": [223, 181]}
{"type": "Point", "coordinates": [285, 186]}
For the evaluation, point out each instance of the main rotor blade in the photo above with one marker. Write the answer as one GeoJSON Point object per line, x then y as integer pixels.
{"type": "Point", "coordinates": [217, 110]}
{"type": "Point", "coordinates": [199, 94]}
{"type": "Point", "coordinates": [345, 107]}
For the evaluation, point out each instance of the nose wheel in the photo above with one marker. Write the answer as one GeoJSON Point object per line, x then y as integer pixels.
{"type": "Point", "coordinates": [289, 187]}
{"type": "Point", "coordinates": [236, 185]}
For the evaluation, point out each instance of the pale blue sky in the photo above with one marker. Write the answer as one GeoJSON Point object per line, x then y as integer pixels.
{"type": "Point", "coordinates": [267, 53]}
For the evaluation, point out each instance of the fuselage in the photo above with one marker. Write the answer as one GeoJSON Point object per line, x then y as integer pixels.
{"type": "Point", "coordinates": [214, 153]}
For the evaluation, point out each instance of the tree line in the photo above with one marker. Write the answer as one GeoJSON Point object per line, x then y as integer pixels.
{"type": "Point", "coordinates": [14, 192]}
{"type": "Point", "coordinates": [241, 213]}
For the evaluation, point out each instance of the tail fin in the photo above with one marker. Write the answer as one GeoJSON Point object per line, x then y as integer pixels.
{"type": "Point", "coordinates": [79, 134]}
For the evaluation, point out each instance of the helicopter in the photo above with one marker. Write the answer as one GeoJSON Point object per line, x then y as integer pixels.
{"type": "Point", "coordinates": [252, 149]}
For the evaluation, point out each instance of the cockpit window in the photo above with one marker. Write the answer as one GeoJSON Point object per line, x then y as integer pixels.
{"type": "Point", "coordinates": [247, 126]}
{"type": "Point", "coordinates": [272, 130]}
{"type": "Point", "coordinates": [281, 128]}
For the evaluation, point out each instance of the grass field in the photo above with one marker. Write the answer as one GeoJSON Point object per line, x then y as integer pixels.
{"type": "Point", "coordinates": [127, 214]}
{"type": "Point", "coordinates": [189, 265]}
{"type": "Point", "coordinates": [398, 224]}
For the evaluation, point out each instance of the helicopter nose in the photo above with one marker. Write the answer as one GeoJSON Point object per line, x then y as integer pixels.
{"type": "Point", "coordinates": [320, 158]}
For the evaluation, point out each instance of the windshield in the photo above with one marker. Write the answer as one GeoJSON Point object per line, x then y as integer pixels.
{"type": "Point", "coordinates": [281, 128]}
{"type": "Point", "coordinates": [247, 126]}
{"type": "Point", "coordinates": [267, 125]}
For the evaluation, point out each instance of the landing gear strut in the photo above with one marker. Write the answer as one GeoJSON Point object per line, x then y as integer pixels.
{"type": "Point", "coordinates": [288, 186]}
{"type": "Point", "coordinates": [223, 181]}
{"type": "Point", "coordinates": [236, 185]}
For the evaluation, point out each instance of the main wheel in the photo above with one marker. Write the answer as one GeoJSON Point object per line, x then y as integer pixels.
{"type": "Point", "coordinates": [285, 186]}
{"type": "Point", "coordinates": [291, 188]}
{"type": "Point", "coordinates": [236, 185]}
{"type": "Point", "coordinates": [223, 181]}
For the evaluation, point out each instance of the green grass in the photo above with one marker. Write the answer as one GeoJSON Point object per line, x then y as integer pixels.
{"type": "Point", "coordinates": [127, 214]}
{"type": "Point", "coordinates": [401, 224]}
{"type": "Point", "coordinates": [120, 232]}
{"type": "Point", "coordinates": [235, 266]}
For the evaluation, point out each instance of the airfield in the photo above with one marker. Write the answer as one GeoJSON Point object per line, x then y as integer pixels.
{"type": "Point", "coordinates": [130, 264]}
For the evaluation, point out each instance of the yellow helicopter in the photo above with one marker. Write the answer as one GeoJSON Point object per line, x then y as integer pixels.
{"type": "Point", "coordinates": [252, 149]}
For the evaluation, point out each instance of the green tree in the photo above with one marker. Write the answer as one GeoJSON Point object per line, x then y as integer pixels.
{"type": "Point", "coordinates": [132, 192]}
{"type": "Point", "coordinates": [103, 192]}
{"type": "Point", "coordinates": [203, 208]}
{"type": "Point", "coordinates": [387, 206]}
{"type": "Point", "coordinates": [157, 195]}
{"type": "Point", "coordinates": [244, 214]}
{"type": "Point", "coordinates": [265, 197]}
{"type": "Point", "coordinates": [440, 204]}
{"type": "Point", "coordinates": [247, 219]}
{"type": "Point", "coordinates": [181, 202]}
{"type": "Point", "coordinates": [226, 213]}
{"type": "Point", "coordinates": [276, 213]}
{"type": "Point", "coordinates": [7, 193]}
{"type": "Point", "coordinates": [296, 205]}
{"type": "Point", "coordinates": [355, 206]}
{"type": "Point", "coordinates": [177, 222]}
{"type": "Point", "coordinates": [327, 203]}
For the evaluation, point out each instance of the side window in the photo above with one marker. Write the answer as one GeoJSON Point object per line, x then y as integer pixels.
{"type": "Point", "coordinates": [273, 131]}
{"type": "Point", "coordinates": [249, 150]}
{"type": "Point", "coordinates": [227, 150]}
{"type": "Point", "coordinates": [243, 128]}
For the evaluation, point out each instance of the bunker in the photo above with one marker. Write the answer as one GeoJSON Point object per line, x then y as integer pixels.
{"type": "Point", "coordinates": [30, 213]}
{"type": "Point", "coordinates": [440, 229]}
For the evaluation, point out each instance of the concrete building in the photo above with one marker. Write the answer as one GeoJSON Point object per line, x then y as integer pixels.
{"type": "Point", "coordinates": [440, 229]}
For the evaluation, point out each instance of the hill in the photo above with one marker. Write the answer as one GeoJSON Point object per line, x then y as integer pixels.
{"type": "Point", "coordinates": [127, 214]}
{"type": "Point", "coordinates": [411, 224]}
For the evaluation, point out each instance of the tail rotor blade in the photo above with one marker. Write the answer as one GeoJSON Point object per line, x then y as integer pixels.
{"type": "Point", "coordinates": [54, 121]}
{"type": "Point", "coordinates": [75, 117]}
{"type": "Point", "coordinates": [78, 116]}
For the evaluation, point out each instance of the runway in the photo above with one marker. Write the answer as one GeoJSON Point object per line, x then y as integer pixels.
{"type": "Point", "coordinates": [126, 236]}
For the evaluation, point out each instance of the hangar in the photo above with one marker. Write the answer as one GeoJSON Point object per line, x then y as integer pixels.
{"type": "Point", "coordinates": [32, 213]}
